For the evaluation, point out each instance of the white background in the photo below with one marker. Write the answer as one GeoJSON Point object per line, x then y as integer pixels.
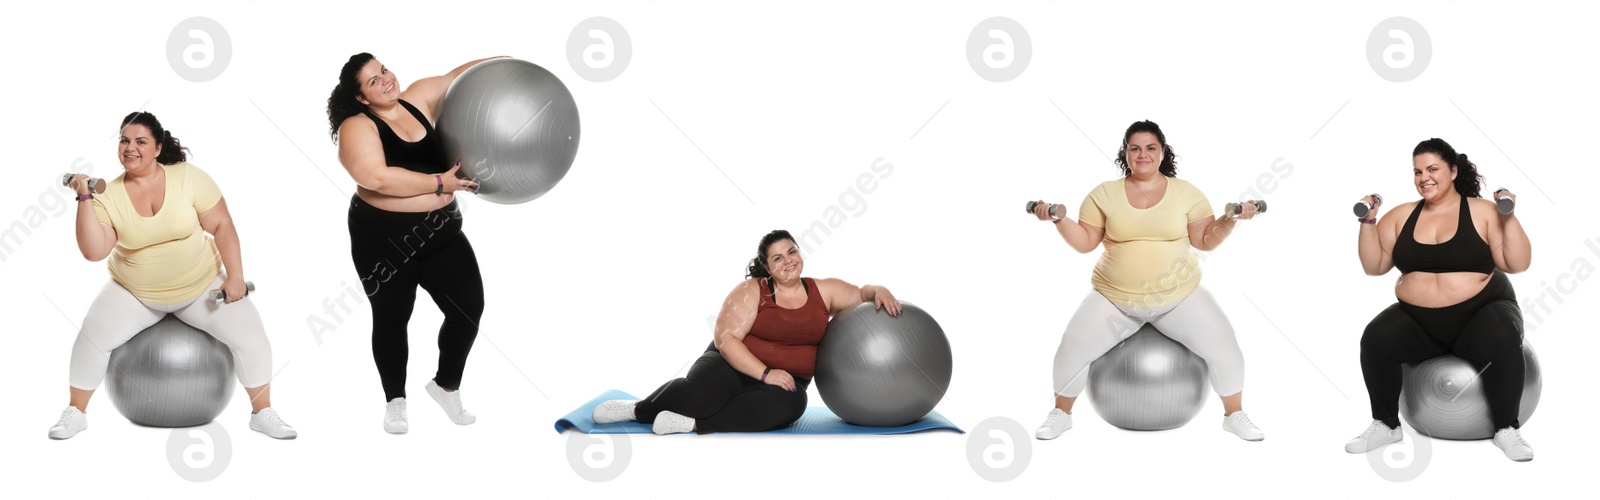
{"type": "Point", "coordinates": [733, 119]}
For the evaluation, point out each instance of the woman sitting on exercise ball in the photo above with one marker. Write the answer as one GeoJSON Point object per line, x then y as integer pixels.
{"type": "Point", "coordinates": [1147, 219]}
{"type": "Point", "coordinates": [168, 232]}
{"type": "Point", "coordinates": [1453, 250]}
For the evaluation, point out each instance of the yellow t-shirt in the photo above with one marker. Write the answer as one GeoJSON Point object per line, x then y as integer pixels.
{"type": "Point", "coordinates": [166, 258]}
{"type": "Point", "coordinates": [1147, 262]}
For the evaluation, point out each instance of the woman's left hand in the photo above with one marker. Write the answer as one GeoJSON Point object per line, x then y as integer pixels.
{"type": "Point", "coordinates": [884, 300]}
{"type": "Point", "coordinates": [233, 288]}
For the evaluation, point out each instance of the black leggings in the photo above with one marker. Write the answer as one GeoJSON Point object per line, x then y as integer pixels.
{"type": "Point", "coordinates": [1485, 330]}
{"type": "Point", "coordinates": [394, 252]}
{"type": "Point", "coordinates": [720, 399]}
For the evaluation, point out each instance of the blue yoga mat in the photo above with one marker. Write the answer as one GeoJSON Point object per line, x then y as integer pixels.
{"type": "Point", "coordinates": [817, 420]}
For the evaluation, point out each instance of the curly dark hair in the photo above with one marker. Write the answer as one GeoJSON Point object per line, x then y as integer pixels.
{"type": "Point", "coordinates": [342, 103]}
{"type": "Point", "coordinates": [171, 150]}
{"type": "Point", "coordinates": [1468, 181]}
{"type": "Point", "coordinates": [758, 265]}
{"type": "Point", "coordinates": [1169, 160]}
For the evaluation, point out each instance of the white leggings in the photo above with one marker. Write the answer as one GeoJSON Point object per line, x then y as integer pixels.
{"type": "Point", "coordinates": [117, 316]}
{"type": "Point", "coordinates": [1196, 322]}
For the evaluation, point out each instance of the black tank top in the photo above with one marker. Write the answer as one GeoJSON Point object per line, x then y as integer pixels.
{"type": "Point", "coordinates": [1464, 252]}
{"type": "Point", "coordinates": [426, 155]}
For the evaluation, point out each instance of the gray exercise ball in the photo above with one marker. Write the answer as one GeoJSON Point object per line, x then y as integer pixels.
{"type": "Point", "coordinates": [171, 375]}
{"type": "Point", "coordinates": [513, 126]}
{"type": "Point", "coordinates": [1148, 382]}
{"type": "Point", "coordinates": [1442, 397]}
{"type": "Point", "coordinates": [878, 370]}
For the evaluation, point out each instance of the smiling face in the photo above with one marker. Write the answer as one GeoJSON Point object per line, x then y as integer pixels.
{"type": "Point", "coordinates": [1433, 178]}
{"type": "Point", "coordinates": [1144, 154]}
{"type": "Point", "coordinates": [136, 147]}
{"type": "Point", "coordinates": [783, 261]}
{"type": "Point", "coordinates": [379, 86]}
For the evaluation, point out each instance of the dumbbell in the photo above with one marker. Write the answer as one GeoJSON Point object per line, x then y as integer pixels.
{"type": "Point", "coordinates": [1232, 209]}
{"type": "Point", "coordinates": [1053, 208]}
{"type": "Point", "coordinates": [1504, 203]}
{"type": "Point", "coordinates": [217, 296]}
{"type": "Point", "coordinates": [97, 186]}
{"type": "Point", "coordinates": [1363, 208]}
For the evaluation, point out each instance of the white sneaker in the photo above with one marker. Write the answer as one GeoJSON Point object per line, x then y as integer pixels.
{"type": "Point", "coordinates": [451, 402]}
{"type": "Point", "coordinates": [268, 422]}
{"type": "Point", "coordinates": [1054, 424]}
{"type": "Point", "coordinates": [394, 417]}
{"type": "Point", "coordinates": [72, 422]}
{"type": "Point", "coordinates": [616, 410]}
{"type": "Point", "coordinates": [1510, 441]}
{"type": "Point", "coordinates": [1240, 425]}
{"type": "Point", "coordinates": [1376, 436]}
{"type": "Point", "coordinates": [672, 423]}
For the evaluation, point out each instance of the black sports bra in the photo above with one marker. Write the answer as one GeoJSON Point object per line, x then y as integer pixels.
{"type": "Point", "coordinates": [427, 155]}
{"type": "Point", "coordinates": [1464, 252]}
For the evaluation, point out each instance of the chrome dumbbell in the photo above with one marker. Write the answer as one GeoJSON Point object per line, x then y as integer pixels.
{"type": "Point", "coordinates": [1232, 210]}
{"type": "Point", "coordinates": [1504, 203]}
{"type": "Point", "coordinates": [96, 186]}
{"type": "Point", "coordinates": [218, 296]}
{"type": "Point", "coordinates": [1054, 209]}
{"type": "Point", "coordinates": [1363, 208]}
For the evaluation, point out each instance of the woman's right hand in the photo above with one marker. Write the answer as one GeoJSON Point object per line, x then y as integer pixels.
{"type": "Point", "coordinates": [1041, 210]}
{"type": "Point", "coordinates": [452, 183]}
{"type": "Point", "coordinates": [780, 378]}
{"type": "Point", "coordinates": [1374, 203]}
{"type": "Point", "coordinates": [79, 184]}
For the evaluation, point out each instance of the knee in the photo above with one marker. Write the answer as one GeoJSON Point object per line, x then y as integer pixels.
{"type": "Point", "coordinates": [1372, 340]}
{"type": "Point", "coordinates": [1495, 332]}
{"type": "Point", "coordinates": [794, 407]}
{"type": "Point", "coordinates": [1501, 318]}
{"type": "Point", "coordinates": [1222, 348]}
{"type": "Point", "coordinates": [1380, 332]}
{"type": "Point", "coordinates": [253, 343]}
{"type": "Point", "coordinates": [470, 310]}
{"type": "Point", "coordinates": [101, 333]}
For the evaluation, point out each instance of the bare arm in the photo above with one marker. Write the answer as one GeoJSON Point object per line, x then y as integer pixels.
{"type": "Point", "coordinates": [1208, 234]}
{"type": "Point", "coordinates": [1509, 244]}
{"type": "Point", "coordinates": [733, 323]}
{"type": "Point", "coordinates": [95, 240]}
{"type": "Point", "coordinates": [361, 153]}
{"type": "Point", "coordinates": [428, 92]}
{"type": "Point", "coordinates": [1081, 236]}
{"type": "Point", "coordinates": [217, 221]}
{"type": "Point", "coordinates": [1375, 244]}
{"type": "Point", "coordinates": [840, 296]}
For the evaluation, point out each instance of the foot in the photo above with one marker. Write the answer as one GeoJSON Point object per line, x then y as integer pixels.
{"type": "Point", "coordinates": [1240, 425]}
{"type": "Point", "coordinates": [451, 402]}
{"type": "Point", "coordinates": [72, 422]}
{"type": "Point", "coordinates": [1510, 441]}
{"type": "Point", "coordinates": [1054, 424]}
{"type": "Point", "coordinates": [616, 410]}
{"type": "Point", "coordinates": [268, 422]}
{"type": "Point", "coordinates": [1376, 436]}
{"type": "Point", "coordinates": [394, 417]}
{"type": "Point", "coordinates": [671, 423]}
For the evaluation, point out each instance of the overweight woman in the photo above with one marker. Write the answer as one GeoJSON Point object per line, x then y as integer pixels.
{"type": "Point", "coordinates": [753, 377]}
{"type": "Point", "coordinates": [170, 238]}
{"type": "Point", "coordinates": [1148, 219]}
{"type": "Point", "coordinates": [1453, 250]}
{"type": "Point", "coordinates": [405, 227]}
